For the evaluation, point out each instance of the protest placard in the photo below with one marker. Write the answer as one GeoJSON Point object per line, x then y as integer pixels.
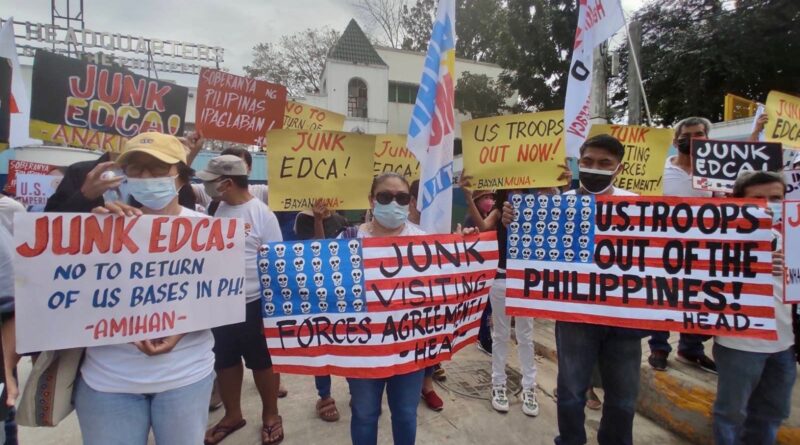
{"type": "Point", "coordinates": [392, 155]}
{"type": "Point", "coordinates": [658, 263]}
{"type": "Point", "coordinates": [791, 240]}
{"type": "Point", "coordinates": [792, 178]}
{"type": "Point", "coordinates": [783, 111]}
{"type": "Point", "coordinates": [82, 104]}
{"type": "Point", "coordinates": [5, 102]}
{"type": "Point", "coordinates": [716, 164]}
{"type": "Point", "coordinates": [374, 307]}
{"type": "Point", "coordinates": [514, 151]}
{"type": "Point", "coordinates": [304, 166]}
{"type": "Point", "coordinates": [33, 190]}
{"type": "Point", "coordinates": [16, 167]}
{"type": "Point", "coordinates": [236, 108]}
{"type": "Point", "coordinates": [305, 117]}
{"type": "Point", "coordinates": [645, 154]}
{"type": "Point", "coordinates": [90, 280]}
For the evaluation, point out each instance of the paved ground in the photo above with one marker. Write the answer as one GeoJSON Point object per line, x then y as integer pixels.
{"type": "Point", "coordinates": [464, 420]}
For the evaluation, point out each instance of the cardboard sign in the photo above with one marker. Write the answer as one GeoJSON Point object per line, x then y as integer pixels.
{"type": "Point", "coordinates": [792, 178]}
{"type": "Point", "coordinates": [5, 102]}
{"type": "Point", "coordinates": [33, 190]}
{"type": "Point", "coordinates": [374, 307]}
{"type": "Point", "coordinates": [304, 166]}
{"type": "Point", "coordinates": [16, 167]}
{"type": "Point", "coordinates": [305, 117]}
{"type": "Point", "coordinates": [716, 164]}
{"type": "Point", "coordinates": [515, 151]}
{"type": "Point", "coordinates": [392, 155]}
{"type": "Point", "coordinates": [97, 106]}
{"type": "Point", "coordinates": [783, 126]}
{"type": "Point", "coordinates": [90, 280]}
{"type": "Point", "coordinates": [791, 240]}
{"type": "Point", "coordinates": [645, 154]}
{"type": "Point", "coordinates": [667, 264]}
{"type": "Point", "coordinates": [238, 109]}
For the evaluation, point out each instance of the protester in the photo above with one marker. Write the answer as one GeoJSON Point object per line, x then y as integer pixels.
{"type": "Point", "coordinates": [754, 389]}
{"type": "Point", "coordinates": [162, 384]}
{"type": "Point", "coordinates": [324, 223]}
{"type": "Point", "coordinates": [225, 179]}
{"type": "Point", "coordinates": [7, 326]}
{"type": "Point", "coordinates": [8, 207]}
{"type": "Point", "coordinates": [389, 200]}
{"type": "Point", "coordinates": [260, 191]}
{"type": "Point", "coordinates": [678, 182]}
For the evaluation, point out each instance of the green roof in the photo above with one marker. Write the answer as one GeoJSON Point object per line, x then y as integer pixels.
{"type": "Point", "coordinates": [354, 46]}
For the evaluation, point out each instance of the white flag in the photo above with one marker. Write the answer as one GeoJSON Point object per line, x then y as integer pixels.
{"type": "Point", "coordinates": [598, 20]}
{"type": "Point", "coordinates": [432, 129]}
{"type": "Point", "coordinates": [20, 114]}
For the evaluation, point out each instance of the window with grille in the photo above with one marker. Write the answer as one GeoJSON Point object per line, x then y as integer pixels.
{"type": "Point", "coordinates": [357, 98]}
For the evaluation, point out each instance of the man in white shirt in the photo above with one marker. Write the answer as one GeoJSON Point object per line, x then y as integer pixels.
{"type": "Point", "coordinates": [754, 389]}
{"type": "Point", "coordinates": [260, 191]}
{"type": "Point", "coordinates": [678, 182]}
{"type": "Point", "coordinates": [8, 207]}
{"type": "Point", "coordinates": [581, 346]}
{"type": "Point", "coordinates": [225, 179]}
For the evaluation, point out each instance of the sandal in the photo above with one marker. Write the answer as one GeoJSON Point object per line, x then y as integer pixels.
{"type": "Point", "coordinates": [592, 401]}
{"type": "Point", "coordinates": [268, 430]}
{"type": "Point", "coordinates": [326, 409]}
{"type": "Point", "coordinates": [224, 430]}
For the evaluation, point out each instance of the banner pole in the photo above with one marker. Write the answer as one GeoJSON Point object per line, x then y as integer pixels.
{"type": "Point", "coordinates": [635, 59]}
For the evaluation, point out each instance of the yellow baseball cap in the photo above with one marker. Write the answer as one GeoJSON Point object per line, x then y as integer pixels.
{"type": "Point", "coordinates": [164, 147]}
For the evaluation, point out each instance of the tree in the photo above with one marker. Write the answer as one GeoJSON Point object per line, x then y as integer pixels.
{"type": "Point", "coordinates": [297, 61]}
{"type": "Point", "coordinates": [385, 16]}
{"type": "Point", "coordinates": [696, 51]}
{"type": "Point", "coordinates": [480, 27]}
{"type": "Point", "coordinates": [536, 52]}
{"type": "Point", "coordinates": [480, 96]}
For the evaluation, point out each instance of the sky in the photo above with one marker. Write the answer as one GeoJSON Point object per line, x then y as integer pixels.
{"type": "Point", "coordinates": [236, 25]}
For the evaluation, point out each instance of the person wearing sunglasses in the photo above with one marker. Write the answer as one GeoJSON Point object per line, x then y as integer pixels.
{"type": "Point", "coordinates": [389, 200]}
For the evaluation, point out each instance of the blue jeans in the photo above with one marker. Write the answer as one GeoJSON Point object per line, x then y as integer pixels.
{"type": "Point", "coordinates": [177, 417]}
{"type": "Point", "coordinates": [619, 357]}
{"type": "Point", "coordinates": [323, 384]}
{"type": "Point", "coordinates": [402, 392]}
{"type": "Point", "coordinates": [690, 345]}
{"type": "Point", "coordinates": [754, 395]}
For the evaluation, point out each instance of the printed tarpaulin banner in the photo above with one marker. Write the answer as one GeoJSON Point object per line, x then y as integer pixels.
{"type": "Point", "coordinates": [89, 280]}
{"type": "Point", "coordinates": [373, 307]}
{"type": "Point", "coordinates": [717, 163]}
{"type": "Point", "coordinates": [515, 151]}
{"type": "Point", "coordinates": [691, 265]}
{"type": "Point", "coordinates": [97, 106]}
{"type": "Point", "coordinates": [16, 167]}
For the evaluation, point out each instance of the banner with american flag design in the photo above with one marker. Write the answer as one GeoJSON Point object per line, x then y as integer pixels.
{"type": "Point", "coordinates": [373, 307]}
{"type": "Point", "coordinates": [659, 263]}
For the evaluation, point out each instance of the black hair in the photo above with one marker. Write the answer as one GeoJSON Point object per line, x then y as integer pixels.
{"type": "Point", "coordinates": [606, 142]}
{"type": "Point", "coordinates": [751, 178]}
{"type": "Point", "coordinates": [240, 153]}
{"type": "Point", "coordinates": [414, 189]}
{"type": "Point", "coordinates": [185, 173]}
{"type": "Point", "coordinates": [239, 181]}
{"type": "Point", "coordinates": [381, 178]}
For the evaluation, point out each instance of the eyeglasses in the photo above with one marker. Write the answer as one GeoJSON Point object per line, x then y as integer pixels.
{"type": "Point", "coordinates": [156, 169]}
{"type": "Point", "coordinates": [384, 198]}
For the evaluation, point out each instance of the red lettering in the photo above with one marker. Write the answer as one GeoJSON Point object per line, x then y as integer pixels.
{"type": "Point", "coordinates": [102, 87]}
{"type": "Point", "coordinates": [88, 91]}
{"type": "Point", "coordinates": [41, 238]}
{"type": "Point", "coordinates": [156, 236]}
{"type": "Point", "coordinates": [96, 239]}
{"type": "Point", "coordinates": [177, 237]}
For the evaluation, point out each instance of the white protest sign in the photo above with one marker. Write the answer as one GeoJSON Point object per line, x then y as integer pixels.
{"type": "Point", "coordinates": [33, 190]}
{"type": "Point", "coordinates": [792, 178]}
{"type": "Point", "coordinates": [90, 280]}
{"type": "Point", "coordinates": [791, 238]}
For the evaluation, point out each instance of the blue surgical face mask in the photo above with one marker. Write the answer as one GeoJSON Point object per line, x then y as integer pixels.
{"type": "Point", "coordinates": [153, 193]}
{"type": "Point", "coordinates": [391, 215]}
{"type": "Point", "coordinates": [777, 211]}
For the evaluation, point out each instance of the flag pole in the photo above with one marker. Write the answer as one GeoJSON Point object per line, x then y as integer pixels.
{"type": "Point", "coordinates": [635, 59]}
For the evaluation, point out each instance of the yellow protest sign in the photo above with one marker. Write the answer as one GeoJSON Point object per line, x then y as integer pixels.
{"type": "Point", "coordinates": [392, 155]}
{"type": "Point", "coordinates": [783, 111]}
{"type": "Point", "coordinates": [305, 117]}
{"type": "Point", "coordinates": [645, 155]}
{"type": "Point", "coordinates": [514, 151]}
{"type": "Point", "coordinates": [304, 166]}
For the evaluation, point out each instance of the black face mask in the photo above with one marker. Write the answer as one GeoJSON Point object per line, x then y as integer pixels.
{"type": "Point", "coordinates": [684, 146]}
{"type": "Point", "coordinates": [595, 181]}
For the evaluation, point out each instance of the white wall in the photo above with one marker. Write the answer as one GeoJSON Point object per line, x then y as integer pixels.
{"type": "Point", "coordinates": [337, 78]}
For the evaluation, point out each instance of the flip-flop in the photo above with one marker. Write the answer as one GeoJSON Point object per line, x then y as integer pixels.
{"type": "Point", "coordinates": [269, 429]}
{"type": "Point", "coordinates": [224, 430]}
